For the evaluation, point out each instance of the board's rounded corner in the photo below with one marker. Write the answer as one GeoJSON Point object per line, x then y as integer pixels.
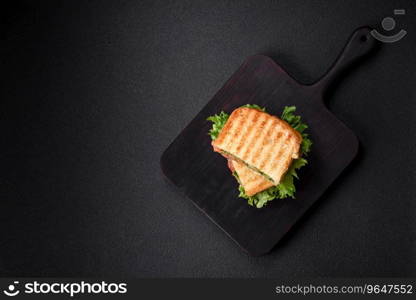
{"type": "Point", "coordinates": [266, 59]}
{"type": "Point", "coordinates": [162, 163]}
{"type": "Point", "coordinates": [257, 253]}
{"type": "Point", "coordinates": [354, 143]}
{"type": "Point", "coordinates": [260, 57]}
{"type": "Point", "coordinates": [263, 250]}
{"type": "Point", "coordinates": [263, 56]}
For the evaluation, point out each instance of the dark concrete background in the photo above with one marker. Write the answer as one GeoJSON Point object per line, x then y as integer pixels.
{"type": "Point", "coordinates": [94, 91]}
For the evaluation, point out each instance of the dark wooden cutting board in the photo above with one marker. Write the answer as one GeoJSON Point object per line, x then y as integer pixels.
{"type": "Point", "coordinates": [202, 175]}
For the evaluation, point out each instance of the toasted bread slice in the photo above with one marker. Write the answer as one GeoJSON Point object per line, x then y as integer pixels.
{"type": "Point", "coordinates": [251, 181]}
{"type": "Point", "coordinates": [262, 142]}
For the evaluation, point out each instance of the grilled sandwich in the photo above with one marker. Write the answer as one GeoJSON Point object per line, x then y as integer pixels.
{"type": "Point", "coordinates": [258, 142]}
{"type": "Point", "coordinates": [250, 180]}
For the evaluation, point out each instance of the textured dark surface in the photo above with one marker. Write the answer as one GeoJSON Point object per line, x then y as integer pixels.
{"type": "Point", "coordinates": [202, 176]}
{"type": "Point", "coordinates": [93, 92]}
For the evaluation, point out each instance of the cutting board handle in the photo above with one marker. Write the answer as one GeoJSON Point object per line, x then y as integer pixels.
{"type": "Point", "coordinates": [359, 45]}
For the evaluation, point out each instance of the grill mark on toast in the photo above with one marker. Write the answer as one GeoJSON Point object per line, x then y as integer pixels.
{"type": "Point", "coordinates": [253, 141]}
{"type": "Point", "coordinates": [220, 139]}
{"type": "Point", "coordinates": [285, 167]}
{"type": "Point", "coordinates": [251, 159]}
{"type": "Point", "coordinates": [282, 159]}
{"type": "Point", "coordinates": [279, 160]}
{"type": "Point", "coordinates": [251, 120]}
{"type": "Point", "coordinates": [230, 130]}
{"type": "Point", "coordinates": [243, 139]}
{"type": "Point", "coordinates": [227, 131]}
{"type": "Point", "coordinates": [266, 158]}
{"type": "Point", "coordinates": [261, 143]}
{"type": "Point", "coordinates": [250, 138]}
{"type": "Point", "coordinates": [283, 149]}
{"type": "Point", "coordinates": [233, 136]}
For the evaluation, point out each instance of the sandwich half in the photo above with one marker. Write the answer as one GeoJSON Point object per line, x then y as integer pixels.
{"type": "Point", "coordinates": [259, 141]}
{"type": "Point", "coordinates": [251, 181]}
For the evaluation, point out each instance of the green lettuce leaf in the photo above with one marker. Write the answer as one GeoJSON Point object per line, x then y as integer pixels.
{"type": "Point", "coordinates": [218, 122]}
{"type": "Point", "coordinates": [255, 106]}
